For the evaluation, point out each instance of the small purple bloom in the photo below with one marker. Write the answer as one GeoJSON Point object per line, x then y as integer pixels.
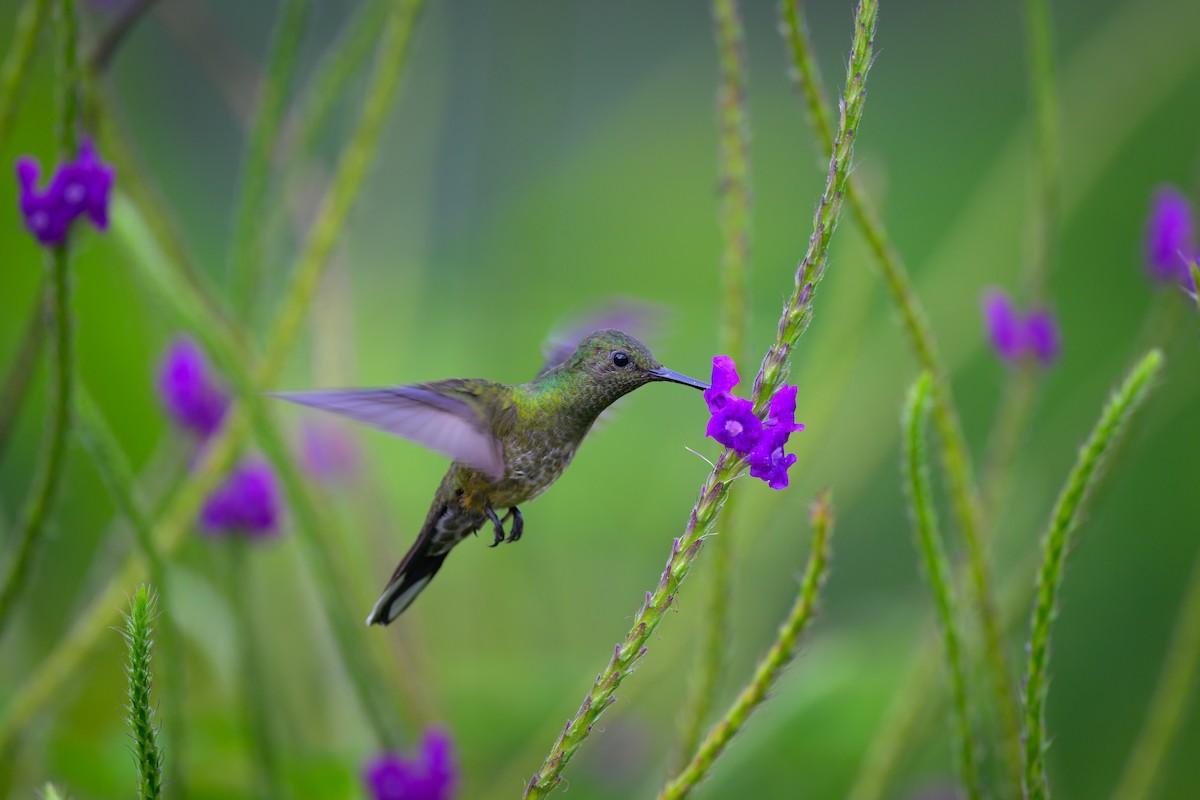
{"type": "Point", "coordinates": [1015, 336]}
{"type": "Point", "coordinates": [724, 378]}
{"type": "Point", "coordinates": [78, 187]}
{"type": "Point", "coordinates": [768, 461]}
{"type": "Point", "coordinates": [429, 775]}
{"type": "Point", "coordinates": [1041, 334]}
{"type": "Point", "coordinates": [327, 451]}
{"type": "Point", "coordinates": [1004, 325]}
{"type": "Point", "coordinates": [734, 425]}
{"type": "Point", "coordinates": [247, 503]}
{"type": "Point", "coordinates": [1170, 236]}
{"type": "Point", "coordinates": [188, 389]}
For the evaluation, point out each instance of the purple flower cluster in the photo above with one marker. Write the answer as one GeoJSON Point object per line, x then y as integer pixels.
{"type": "Point", "coordinates": [1171, 238]}
{"type": "Point", "coordinates": [191, 393]}
{"type": "Point", "coordinates": [735, 425]}
{"type": "Point", "coordinates": [77, 188]}
{"type": "Point", "coordinates": [429, 775]}
{"type": "Point", "coordinates": [247, 503]}
{"type": "Point", "coordinates": [1015, 335]}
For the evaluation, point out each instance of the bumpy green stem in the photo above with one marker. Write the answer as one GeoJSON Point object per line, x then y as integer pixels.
{"type": "Point", "coordinates": [247, 251]}
{"type": "Point", "coordinates": [794, 320]}
{"type": "Point", "coordinates": [48, 473]}
{"type": "Point", "coordinates": [139, 642]}
{"type": "Point", "coordinates": [956, 456]}
{"type": "Point", "coordinates": [177, 519]}
{"type": "Point", "coordinates": [1120, 408]}
{"type": "Point", "coordinates": [15, 69]}
{"type": "Point", "coordinates": [773, 663]}
{"type": "Point", "coordinates": [1172, 697]}
{"type": "Point", "coordinates": [735, 216]}
{"type": "Point", "coordinates": [96, 437]}
{"type": "Point", "coordinates": [937, 572]}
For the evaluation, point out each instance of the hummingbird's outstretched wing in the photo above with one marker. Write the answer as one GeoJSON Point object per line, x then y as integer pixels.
{"type": "Point", "coordinates": [428, 414]}
{"type": "Point", "coordinates": [639, 319]}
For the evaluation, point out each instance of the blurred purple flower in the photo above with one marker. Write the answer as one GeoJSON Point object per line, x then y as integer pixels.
{"type": "Point", "coordinates": [1170, 237]}
{"type": "Point", "coordinates": [1004, 325]}
{"type": "Point", "coordinates": [79, 187]}
{"type": "Point", "coordinates": [429, 775]}
{"type": "Point", "coordinates": [1015, 336]}
{"type": "Point", "coordinates": [734, 424]}
{"type": "Point", "coordinates": [188, 389]}
{"type": "Point", "coordinates": [247, 503]}
{"type": "Point", "coordinates": [1041, 334]}
{"type": "Point", "coordinates": [327, 451]}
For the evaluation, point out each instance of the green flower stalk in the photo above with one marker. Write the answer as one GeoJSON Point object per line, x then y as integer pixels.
{"type": "Point", "coordinates": [96, 437]}
{"type": "Point", "coordinates": [139, 642]}
{"type": "Point", "coordinates": [733, 122]}
{"type": "Point", "coordinates": [178, 517]}
{"type": "Point", "coordinates": [247, 257]}
{"type": "Point", "coordinates": [1120, 408]}
{"type": "Point", "coordinates": [795, 318]}
{"type": "Point", "coordinates": [15, 69]}
{"type": "Point", "coordinates": [48, 473]}
{"type": "Point", "coordinates": [937, 572]}
{"type": "Point", "coordinates": [1172, 698]}
{"type": "Point", "coordinates": [773, 663]}
{"type": "Point", "coordinates": [21, 371]}
{"type": "Point", "coordinates": [956, 456]}
{"type": "Point", "coordinates": [1044, 86]}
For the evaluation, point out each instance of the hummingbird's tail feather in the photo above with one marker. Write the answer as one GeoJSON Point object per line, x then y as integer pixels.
{"type": "Point", "coordinates": [414, 574]}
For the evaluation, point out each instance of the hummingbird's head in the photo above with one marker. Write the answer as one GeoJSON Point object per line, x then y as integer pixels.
{"type": "Point", "coordinates": [620, 363]}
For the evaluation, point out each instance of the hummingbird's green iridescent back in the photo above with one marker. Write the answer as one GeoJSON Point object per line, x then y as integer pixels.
{"type": "Point", "coordinates": [508, 443]}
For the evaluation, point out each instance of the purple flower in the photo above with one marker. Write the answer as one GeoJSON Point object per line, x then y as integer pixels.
{"type": "Point", "coordinates": [1004, 325]}
{"type": "Point", "coordinates": [1041, 336]}
{"type": "Point", "coordinates": [188, 389]}
{"type": "Point", "coordinates": [1170, 237]}
{"type": "Point", "coordinates": [734, 424]}
{"type": "Point", "coordinates": [1015, 336]}
{"type": "Point", "coordinates": [247, 503]}
{"type": "Point", "coordinates": [79, 187]}
{"type": "Point", "coordinates": [327, 451]}
{"type": "Point", "coordinates": [724, 378]}
{"type": "Point", "coordinates": [429, 775]}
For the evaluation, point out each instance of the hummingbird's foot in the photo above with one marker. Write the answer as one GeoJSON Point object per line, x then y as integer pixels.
{"type": "Point", "coordinates": [496, 524]}
{"type": "Point", "coordinates": [518, 526]}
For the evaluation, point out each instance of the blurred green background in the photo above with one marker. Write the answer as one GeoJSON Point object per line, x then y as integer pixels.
{"type": "Point", "coordinates": [545, 156]}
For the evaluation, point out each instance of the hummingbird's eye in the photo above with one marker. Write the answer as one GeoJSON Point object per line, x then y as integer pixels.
{"type": "Point", "coordinates": [621, 359]}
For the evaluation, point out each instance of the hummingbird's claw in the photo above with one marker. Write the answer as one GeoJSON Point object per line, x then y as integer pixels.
{"type": "Point", "coordinates": [497, 524]}
{"type": "Point", "coordinates": [518, 526]}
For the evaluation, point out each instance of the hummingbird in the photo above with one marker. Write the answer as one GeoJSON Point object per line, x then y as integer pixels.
{"type": "Point", "coordinates": [507, 443]}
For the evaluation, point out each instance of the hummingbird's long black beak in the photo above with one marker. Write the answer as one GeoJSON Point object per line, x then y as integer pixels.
{"type": "Point", "coordinates": [664, 374]}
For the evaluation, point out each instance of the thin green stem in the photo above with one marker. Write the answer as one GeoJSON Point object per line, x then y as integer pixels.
{"type": "Point", "coordinates": [955, 454]}
{"type": "Point", "coordinates": [110, 41]}
{"type": "Point", "coordinates": [772, 664]}
{"type": "Point", "coordinates": [138, 632]}
{"type": "Point", "coordinates": [1044, 86]}
{"type": "Point", "coordinates": [218, 457]}
{"type": "Point", "coordinates": [48, 473]}
{"type": "Point", "coordinates": [21, 371]}
{"type": "Point", "coordinates": [1012, 414]}
{"type": "Point", "coordinates": [797, 313]}
{"type": "Point", "coordinates": [1066, 513]}
{"type": "Point", "coordinates": [255, 691]}
{"type": "Point", "coordinates": [341, 65]}
{"type": "Point", "coordinates": [736, 200]}
{"type": "Point", "coordinates": [15, 69]}
{"type": "Point", "coordinates": [937, 572]}
{"type": "Point", "coordinates": [247, 254]}
{"type": "Point", "coordinates": [95, 435]}
{"type": "Point", "coordinates": [1172, 698]}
